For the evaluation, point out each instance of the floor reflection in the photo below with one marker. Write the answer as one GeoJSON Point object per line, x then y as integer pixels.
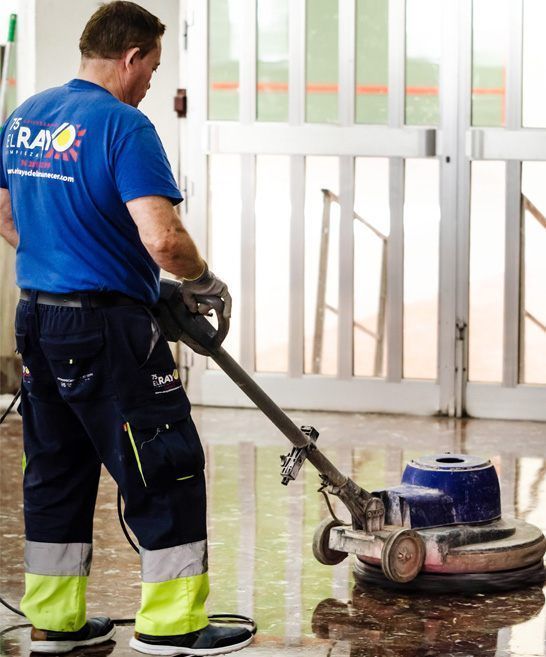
{"type": "Point", "coordinates": [376, 623]}
{"type": "Point", "coordinates": [261, 562]}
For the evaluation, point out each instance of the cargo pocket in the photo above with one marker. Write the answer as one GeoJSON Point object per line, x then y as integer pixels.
{"type": "Point", "coordinates": [21, 349]}
{"type": "Point", "coordinates": [76, 364]}
{"type": "Point", "coordinates": [142, 366]}
{"type": "Point", "coordinates": [21, 343]}
{"type": "Point", "coordinates": [165, 453]}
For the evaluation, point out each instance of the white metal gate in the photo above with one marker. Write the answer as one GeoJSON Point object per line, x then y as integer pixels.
{"type": "Point", "coordinates": [248, 139]}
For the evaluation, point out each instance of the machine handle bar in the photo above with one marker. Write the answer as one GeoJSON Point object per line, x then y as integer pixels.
{"type": "Point", "coordinates": [178, 323]}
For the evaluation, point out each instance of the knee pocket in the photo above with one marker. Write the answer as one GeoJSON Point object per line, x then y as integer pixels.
{"type": "Point", "coordinates": [167, 453]}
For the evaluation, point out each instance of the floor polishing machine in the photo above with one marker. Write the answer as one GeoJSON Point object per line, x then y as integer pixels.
{"type": "Point", "coordinates": [440, 529]}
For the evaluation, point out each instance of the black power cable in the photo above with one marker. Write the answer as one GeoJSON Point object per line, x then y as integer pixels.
{"type": "Point", "coordinates": [4, 416]}
{"type": "Point", "coordinates": [12, 404]}
{"type": "Point", "coordinates": [124, 526]}
{"type": "Point", "coordinates": [221, 619]}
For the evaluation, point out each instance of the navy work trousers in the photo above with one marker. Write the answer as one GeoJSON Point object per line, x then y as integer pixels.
{"type": "Point", "coordinates": [100, 386]}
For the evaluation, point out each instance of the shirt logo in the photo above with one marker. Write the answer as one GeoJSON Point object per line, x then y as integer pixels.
{"type": "Point", "coordinates": [52, 141]}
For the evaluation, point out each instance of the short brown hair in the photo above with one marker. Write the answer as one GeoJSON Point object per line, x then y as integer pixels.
{"type": "Point", "coordinates": [118, 26]}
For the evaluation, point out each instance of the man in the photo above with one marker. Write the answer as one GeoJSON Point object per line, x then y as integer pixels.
{"type": "Point", "coordinates": [87, 200]}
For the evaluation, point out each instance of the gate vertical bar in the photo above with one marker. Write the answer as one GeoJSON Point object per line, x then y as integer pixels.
{"type": "Point", "coordinates": [462, 274]}
{"type": "Point", "coordinates": [347, 39]}
{"type": "Point", "coordinates": [247, 115]}
{"type": "Point", "coordinates": [395, 252]}
{"type": "Point", "coordinates": [196, 166]}
{"type": "Point", "coordinates": [380, 326]}
{"type": "Point", "coordinates": [456, 89]}
{"type": "Point", "coordinates": [247, 63]}
{"type": "Point", "coordinates": [320, 305]}
{"type": "Point", "coordinates": [296, 116]}
{"type": "Point", "coordinates": [346, 114]}
{"type": "Point", "coordinates": [513, 201]}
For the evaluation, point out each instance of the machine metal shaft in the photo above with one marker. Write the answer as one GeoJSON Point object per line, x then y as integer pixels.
{"type": "Point", "coordinates": [279, 418]}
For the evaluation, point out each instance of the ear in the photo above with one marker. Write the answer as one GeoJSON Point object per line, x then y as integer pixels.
{"type": "Point", "coordinates": [129, 57]}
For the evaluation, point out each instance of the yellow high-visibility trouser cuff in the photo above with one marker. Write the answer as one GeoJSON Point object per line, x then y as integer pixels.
{"type": "Point", "coordinates": [55, 602]}
{"type": "Point", "coordinates": [176, 606]}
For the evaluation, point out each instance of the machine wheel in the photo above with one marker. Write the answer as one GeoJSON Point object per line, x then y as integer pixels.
{"type": "Point", "coordinates": [321, 548]}
{"type": "Point", "coordinates": [403, 556]}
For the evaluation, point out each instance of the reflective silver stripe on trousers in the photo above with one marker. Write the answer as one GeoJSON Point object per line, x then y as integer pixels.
{"type": "Point", "coordinates": [73, 559]}
{"type": "Point", "coordinates": [175, 562]}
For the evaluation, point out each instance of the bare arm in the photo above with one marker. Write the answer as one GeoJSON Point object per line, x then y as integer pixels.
{"type": "Point", "coordinates": [7, 226]}
{"type": "Point", "coordinates": [164, 236]}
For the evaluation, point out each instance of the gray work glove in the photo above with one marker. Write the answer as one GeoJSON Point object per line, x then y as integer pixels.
{"type": "Point", "coordinates": [207, 285]}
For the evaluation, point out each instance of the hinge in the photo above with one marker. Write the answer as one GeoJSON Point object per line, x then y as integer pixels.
{"type": "Point", "coordinates": [185, 35]}
{"type": "Point", "coordinates": [461, 357]}
{"type": "Point", "coordinates": [188, 22]}
{"type": "Point", "coordinates": [187, 191]}
{"type": "Point", "coordinates": [461, 328]}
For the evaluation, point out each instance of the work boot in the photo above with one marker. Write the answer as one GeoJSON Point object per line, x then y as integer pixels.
{"type": "Point", "coordinates": [96, 630]}
{"type": "Point", "coordinates": [211, 640]}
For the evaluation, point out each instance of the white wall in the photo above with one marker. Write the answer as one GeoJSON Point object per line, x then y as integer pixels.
{"type": "Point", "coordinates": [47, 54]}
{"type": "Point", "coordinates": [25, 38]}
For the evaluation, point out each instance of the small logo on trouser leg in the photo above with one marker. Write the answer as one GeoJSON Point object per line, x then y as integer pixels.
{"type": "Point", "coordinates": [166, 382]}
{"type": "Point", "coordinates": [26, 374]}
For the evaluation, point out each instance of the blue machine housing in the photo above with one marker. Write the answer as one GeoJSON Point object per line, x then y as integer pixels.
{"type": "Point", "coordinates": [443, 489]}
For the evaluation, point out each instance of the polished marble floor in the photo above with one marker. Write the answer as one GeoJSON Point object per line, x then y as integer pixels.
{"type": "Point", "coordinates": [261, 562]}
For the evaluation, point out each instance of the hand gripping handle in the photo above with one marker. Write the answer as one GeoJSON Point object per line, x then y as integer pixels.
{"type": "Point", "coordinates": [178, 323]}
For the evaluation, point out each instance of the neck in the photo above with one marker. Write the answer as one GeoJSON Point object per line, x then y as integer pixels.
{"type": "Point", "coordinates": [105, 73]}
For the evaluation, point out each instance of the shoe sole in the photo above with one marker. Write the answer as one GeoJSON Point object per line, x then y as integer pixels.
{"type": "Point", "coordinates": [67, 646]}
{"type": "Point", "coordinates": [170, 651]}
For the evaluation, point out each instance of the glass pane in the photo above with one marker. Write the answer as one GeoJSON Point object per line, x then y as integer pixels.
{"type": "Point", "coordinates": [533, 338]}
{"type": "Point", "coordinates": [421, 254]}
{"type": "Point", "coordinates": [321, 273]}
{"type": "Point", "coordinates": [372, 66]}
{"type": "Point", "coordinates": [423, 53]}
{"type": "Point", "coordinates": [272, 64]}
{"type": "Point", "coordinates": [322, 61]}
{"type": "Point", "coordinates": [224, 45]}
{"type": "Point", "coordinates": [272, 262]}
{"type": "Point", "coordinates": [486, 302]}
{"type": "Point", "coordinates": [225, 236]}
{"type": "Point", "coordinates": [372, 207]}
{"type": "Point", "coordinates": [490, 48]}
{"type": "Point", "coordinates": [534, 64]}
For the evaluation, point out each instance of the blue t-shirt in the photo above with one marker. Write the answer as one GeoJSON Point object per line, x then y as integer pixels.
{"type": "Point", "coordinates": [71, 157]}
